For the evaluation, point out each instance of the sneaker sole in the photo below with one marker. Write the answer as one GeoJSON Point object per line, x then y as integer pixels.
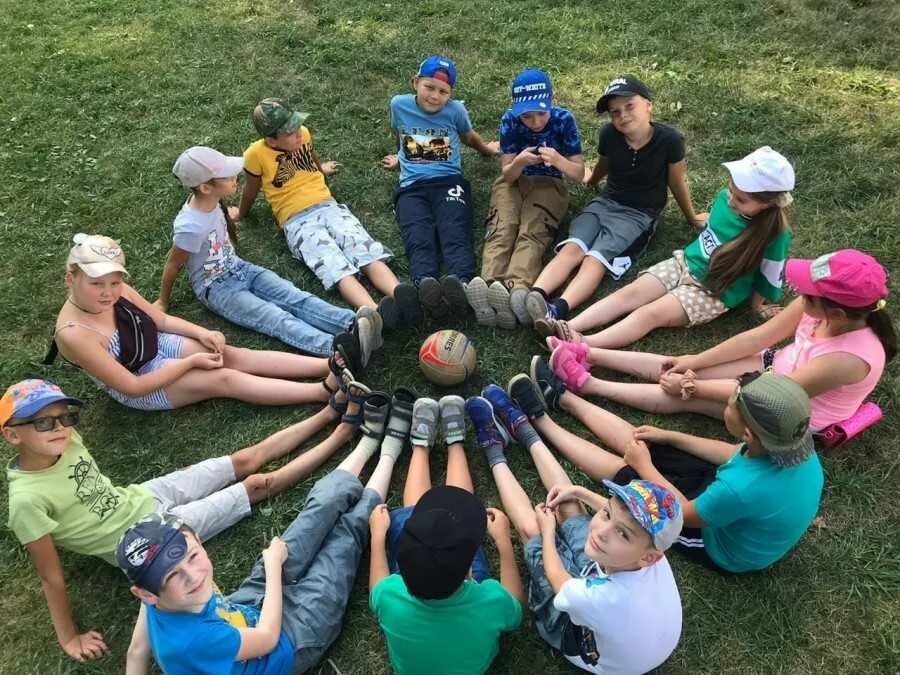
{"type": "Point", "coordinates": [532, 371]}
{"type": "Point", "coordinates": [519, 310]}
{"type": "Point", "coordinates": [389, 311]}
{"type": "Point", "coordinates": [432, 298]}
{"type": "Point", "coordinates": [536, 306]}
{"type": "Point", "coordinates": [545, 327]}
{"type": "Point", "coordinates": [455, 295]}
{"type": "Point", "coordinates": [498, 299]}
{"type": "Point", "coordinates": [477, 296]}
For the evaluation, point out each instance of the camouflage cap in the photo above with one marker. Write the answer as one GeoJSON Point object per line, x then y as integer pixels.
{"type": "Point", "coordinates": [273, 115]}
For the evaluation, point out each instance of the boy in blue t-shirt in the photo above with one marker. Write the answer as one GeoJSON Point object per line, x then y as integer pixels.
{"type": "Point", "coordinates": [540, 145]}
{"type": "Point", "coordinates": [433, 204]}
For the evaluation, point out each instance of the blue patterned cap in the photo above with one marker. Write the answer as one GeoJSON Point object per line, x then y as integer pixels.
{"type": "Point", "coordinates": [150, 548]}
{"type": "Point", "coordinates": [439, 67]}
{"type": "Point", "coordinates": [531, 92]}
{"type": "Point", "coordinates": [655, 509]}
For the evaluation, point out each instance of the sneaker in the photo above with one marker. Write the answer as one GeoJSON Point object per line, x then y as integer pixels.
{"type": "Point", "coordinates": [524, 392]}
{"type": "Point", "coordinates": [432, 298]}
{"type": "Point", "coordinates": [408, 306]}
{"type": "Point", "coordinates": [477, 295]}
{"type": "Point", "coordinates": [510, 414]}
{"type": "Point", "coordinates": [374, 316]}
{"type": "Point", "coordinates": [546, 326]}
{"type": "Point", "coordinates": [517, 305]}
{"type": "Point", "coordinates": [549, 386]}
{"type": "Point", "coordinates": [389, 312]}
{"type": "Point", "coordinates": [581, 350]}
{"type": "Point", "coordinates": [425, 414]}
{"type": "Point", "coordinates": [498, 298]}
{"type": "Point", "coordinates": [488, 430]}
{"type": "Point", "coordinates": [536, 306]}
{"type": "Point", "coordinates": [565, 364]}
{"type": "Point", "coordinates": [453, 419]}
{"type": "Point", "coordinates": [455, 295]}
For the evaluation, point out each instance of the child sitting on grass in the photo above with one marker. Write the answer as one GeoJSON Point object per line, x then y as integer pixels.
{"type": "Point", "coordinates": [249, 295]}
{"type": "Point", "coordinates": [433, 204]}
{"type": "Point", "coordinates": [59, 498]}
{"type": "Point", "coordinates": [541, 147]}
{"type": "Point", "coordinates": [435, 619]}
{"type": "Point", "coordinates": [319, 232]}
{"type": "Point", "coordinates": [641, 160]}
{"type": "Point", "coordinates": [739, 256]}
{"type": "Point", "coordinates": [601, 588]}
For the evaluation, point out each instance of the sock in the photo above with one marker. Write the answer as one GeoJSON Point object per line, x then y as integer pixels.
{"type": "Point", "coordinates": [494, 454]}
{"type": "Point", "coordinates": [561, 308]}
{"type": "Point", "coordinates": [369, 444]}
{"type": "Point", "coordinates": [525, 434]}
{"type": "Point", "coordinates": [396, 434]}
{"type": "Point", "coordinates": [542, 292]}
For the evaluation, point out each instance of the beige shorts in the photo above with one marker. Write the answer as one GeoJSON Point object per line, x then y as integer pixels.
{"type": "Point", "coordinates": [699, 304]}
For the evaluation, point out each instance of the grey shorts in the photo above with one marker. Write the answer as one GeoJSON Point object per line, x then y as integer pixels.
{"type": "Point", "coordinates": [204, 496]}
{"type": "Point", "coordinates": [570, 539]}
{"type": "Point", "coordinates": [612, 233]}
{"type": "Point", "coordinates": [325, 543]}
{"type": "Point", "coordinates": [332, 242]}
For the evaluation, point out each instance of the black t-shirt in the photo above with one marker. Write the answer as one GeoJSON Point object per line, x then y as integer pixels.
{"type": "Point", "coordinates": [638, 178]}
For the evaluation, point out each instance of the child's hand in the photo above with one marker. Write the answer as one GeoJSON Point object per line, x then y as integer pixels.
{"type": "Point", "coordinates": [766, 311]}
{"type": "Point", "coordinates": [546, 519]}
{"type": "Point", "coordinates": [588, 174]}
{"type": "Point", "coordinates": [330, 167]}
{"type": "Point", "coordinates": [86, 647]}
{"type": "Point", "coordinates": [379, 522]}
{"type": "Point", "coordinates": [677, 364]}
{"type": "Point", "coordinates": [651, 434]}
{"type": "Point", "coordinates": [560, 494]}
{"type": "Point", "coordinates": [493, 149]}
{"type": "Point", "coordinates": [275, 553]}
{"type": "Point", "coordinates": [390, 162]}
{"type": "Point", "coordinates": [637, 455]}
{"type": "Point", "coordinates": [497, 525]}
{"type": "Point", "coordinates": [549, 156]}
{"type": "Point", "coordinates": [213, 340]}
{"type": "Point", "coordinates": [528, 157]}
{"type": "Point", "coordinates": [206, 360]}
{"type": "Point", "coordinates": [699, 220]}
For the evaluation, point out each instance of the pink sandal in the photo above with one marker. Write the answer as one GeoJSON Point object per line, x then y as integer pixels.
{"type": "Point", "coordinates": [566, 365]}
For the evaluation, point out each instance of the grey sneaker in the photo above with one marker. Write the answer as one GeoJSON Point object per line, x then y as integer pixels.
{"type": "Point", "coordinates": [369, 337]}
{"type": "Point", "coordinates": [498, 297]}
{"type": "Point", "coordinates": [377, 324]}
{"type": "Point", "coordinates": [425, 415]}
{"type": "Point", "coordinates": [453, 419]}
{"type": "Point", "coordinates": [517, 305]}
{"type": "Point", "coordinates": [477, 295]}
{"type": "Point", "coordinates": [536, 306]}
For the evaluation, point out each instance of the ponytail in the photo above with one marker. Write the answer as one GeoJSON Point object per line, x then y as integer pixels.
{"type": "Point", "coordinates": [877, 319]}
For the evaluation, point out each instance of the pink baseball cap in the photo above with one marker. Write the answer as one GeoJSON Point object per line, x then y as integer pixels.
{"type": "Point", "coordinates": [848, 277]}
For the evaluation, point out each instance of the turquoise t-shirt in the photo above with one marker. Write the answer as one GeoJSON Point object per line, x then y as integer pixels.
{"type": "Point", "coordinates": [756, 511]}
{"type": "Point", "coordinates": [456, 635]}
{"type": "Point", "coordinates": [723, 226]}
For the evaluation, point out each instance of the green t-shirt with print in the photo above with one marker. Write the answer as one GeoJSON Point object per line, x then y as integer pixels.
{"type": "Point", "coordinates": [74, 503]}
{"type": "Point", "coordinates": [723, 226]}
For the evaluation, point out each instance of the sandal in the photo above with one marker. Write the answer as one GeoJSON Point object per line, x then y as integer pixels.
{"type": "Point", "coordinates": [375, 413]}
{"type": "Point", "coordinates": [358, 393]}
{"type": "Point", "coordinates": [340, 407]}
{"type": "Point", "coordinates": [347, 345]}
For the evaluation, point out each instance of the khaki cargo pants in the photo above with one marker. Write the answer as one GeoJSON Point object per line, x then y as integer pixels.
{"type": "Point", "coordinates": [521, 222]}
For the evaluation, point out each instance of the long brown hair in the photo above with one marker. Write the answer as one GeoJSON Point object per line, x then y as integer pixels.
{"type": "Point", "coordinates": [745, 252]}
{"type": "Point", "coordinates": [876, 319]}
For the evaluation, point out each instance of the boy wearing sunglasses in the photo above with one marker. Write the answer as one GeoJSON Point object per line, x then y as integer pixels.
{"type": "Point", "coordinates": [59, 498]}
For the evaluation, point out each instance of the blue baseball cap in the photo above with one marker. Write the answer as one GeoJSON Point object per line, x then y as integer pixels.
{"type": "Point", "coordinates": [29, 397]}
{"type": "Point", "coordinates": [438, 67]}
{"type": "Point", "coordinates": [531, 92]}
{"type": "Point", "coordinates": [150, 548]}
{"type": "Point", "coordinates": [654, 507]}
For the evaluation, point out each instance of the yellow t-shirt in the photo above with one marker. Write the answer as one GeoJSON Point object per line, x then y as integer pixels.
{"type": "Point", "coordinates": [291, 180]}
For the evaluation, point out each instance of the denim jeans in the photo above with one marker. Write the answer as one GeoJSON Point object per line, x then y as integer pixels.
{"type": "Point", "coordinates": [257, 298]}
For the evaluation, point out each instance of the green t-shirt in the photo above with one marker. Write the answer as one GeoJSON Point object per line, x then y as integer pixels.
{"type": "Point", "coordinates": [456, 635]}
{"type": "Point", "coordinates": [756, 511]}
{"type": "Point", "coordinates": [723, 226]}
{"type": "Point", "coordinates": [74, 503]}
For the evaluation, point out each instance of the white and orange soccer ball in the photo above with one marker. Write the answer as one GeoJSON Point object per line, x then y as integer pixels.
{"type": "Point", "coordinates": [447, 357]}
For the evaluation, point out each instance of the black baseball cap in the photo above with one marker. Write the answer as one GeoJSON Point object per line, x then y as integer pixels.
{"type": "Point", "coordinates": [624, 85]}
{"type": "Point", "coordinates": [438, 543]}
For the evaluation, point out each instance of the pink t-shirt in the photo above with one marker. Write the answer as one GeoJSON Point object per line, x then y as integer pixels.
{"type": "Point", "coordinates": [838, 404]}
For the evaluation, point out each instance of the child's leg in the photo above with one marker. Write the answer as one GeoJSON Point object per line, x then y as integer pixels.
{"type": "Point", "coordinates": [263, 362]}
{"type": "Point", "coordinates": [451, 204]}
{"type": "Point", "coordinates": [354, 292]}
{"type": "Point", "coordinates": [666, 311]}
{"type": "Point", "coordinates": [307, 307]}
{"type": "Point", "coordinates": [382, 277]}
{"type": "Point", "coordinates": [199, 385]}
{"type": "Point", "coordinates": [587, 280]}
{"type": "Point", "coordinates": [649, 397]}
{"type": "Point", "coordinates": [642, 290]}
{"type": "Point", "coordinates": [516, 504]}
{"type": "Point", "coordinates": [458, 473]}
{"type": "Point", "coordinates": [419, 231]}
{"type": "Point", "coordinates": [560, 267]}
{"type": "Point", "coordinates": [545, 202]}
{"type": "Point", "coordinates": [418, 476]}
{"type": "Point", "coordinates": [502, 226]}
{"type": "Point", "coordinates": [588, 457]}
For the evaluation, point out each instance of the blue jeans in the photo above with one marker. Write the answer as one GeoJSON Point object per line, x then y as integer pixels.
{"type": "Point", "coordinates": [257, 298]}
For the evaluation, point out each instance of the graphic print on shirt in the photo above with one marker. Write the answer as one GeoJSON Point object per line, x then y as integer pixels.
{"type": "Point", "coordinates": [92, 489]}
{"type": "Point", "coordinates": [289, 163]}
{"type": "Point", "coordinates": [218, 257]}
{"type": "Point", "coordinates": [425, 145]}
{"type": "Point", "coordinates": [233, 614]}
{"type": "Point", "coordinates": [709, 242]}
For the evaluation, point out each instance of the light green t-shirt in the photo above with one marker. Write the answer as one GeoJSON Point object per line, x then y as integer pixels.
{"type": "Point", "coordinates": [74, 503]}
{"type": "Point", "coordinates": [456, 635]}
{"type": "Point", "coordinates": [723, 226]}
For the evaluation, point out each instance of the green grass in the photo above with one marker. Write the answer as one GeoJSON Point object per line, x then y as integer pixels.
{"type": "Point", "coordinates": [98, 98]}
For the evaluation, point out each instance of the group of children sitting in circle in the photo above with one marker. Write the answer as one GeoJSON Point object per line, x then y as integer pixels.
{"type": "Point", "coordinates": [600, 586]}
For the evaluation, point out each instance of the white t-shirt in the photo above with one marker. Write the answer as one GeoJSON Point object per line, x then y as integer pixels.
{"type": "Point", "coordinates": [625, 622]}
{"type": "Point", "coordinates": [204, 234]}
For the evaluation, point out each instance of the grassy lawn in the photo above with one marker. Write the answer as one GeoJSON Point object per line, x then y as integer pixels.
{"type": "Point", "coordinates": [98, 98]}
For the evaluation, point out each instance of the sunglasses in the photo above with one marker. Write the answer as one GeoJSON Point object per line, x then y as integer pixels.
{"type": "Point", "coordinates": [67, 419]}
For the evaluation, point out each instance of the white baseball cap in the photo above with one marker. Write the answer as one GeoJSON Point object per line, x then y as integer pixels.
{"type": "Point", "coordinates": [200, 164]}
{"type": "Point", "coordinates": [96, 255]}
{"type": "Point", "coordinates": [763, 170]}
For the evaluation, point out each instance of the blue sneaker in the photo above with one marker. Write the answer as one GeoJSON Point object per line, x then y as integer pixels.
{"type": "Point", "coordinates": [488, 430]}
{"type": "Point", "coordinates": [508, 412]}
